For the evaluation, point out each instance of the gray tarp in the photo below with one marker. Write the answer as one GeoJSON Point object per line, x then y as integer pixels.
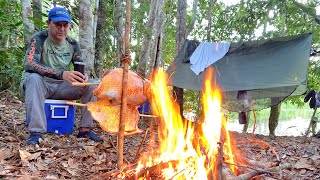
{"type": "Point", "coordinates": [264, 68]}
{"type": "Point", "coordinates": [257, 73]}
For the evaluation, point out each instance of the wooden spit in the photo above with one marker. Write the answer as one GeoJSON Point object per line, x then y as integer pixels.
{"type": "Point", "coordinates": [83, 105]}
{"type": "Point", "coordinates": [85, 83]}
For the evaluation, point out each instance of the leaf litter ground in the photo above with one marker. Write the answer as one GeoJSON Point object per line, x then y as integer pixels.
{"type": "Point", "coordinates": [67, 157]}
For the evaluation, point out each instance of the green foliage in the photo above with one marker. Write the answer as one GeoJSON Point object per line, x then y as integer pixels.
{"type": "Point", "coordinates": [243, 21]}
{"type": "Point", "coordinates": [11, 45]}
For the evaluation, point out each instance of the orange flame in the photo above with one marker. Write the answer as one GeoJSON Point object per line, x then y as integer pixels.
{"type": "Point", "coordinates": [194, 152]}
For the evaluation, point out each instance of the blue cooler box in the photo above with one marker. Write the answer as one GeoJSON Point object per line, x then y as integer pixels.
{"type": "Point", "coordinates": [60, 116]}
{"type": "Point", "coordinates": [144, 108]}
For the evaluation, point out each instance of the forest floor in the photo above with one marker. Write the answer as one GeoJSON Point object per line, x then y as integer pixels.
{"type": "Point", "coordinates": [67, 157]}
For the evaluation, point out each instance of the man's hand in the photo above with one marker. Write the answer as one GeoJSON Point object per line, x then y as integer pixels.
{"type": "Point", "coordinates": [74, 76]}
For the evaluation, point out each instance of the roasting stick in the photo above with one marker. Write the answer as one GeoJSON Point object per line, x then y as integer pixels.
{"type": "Point", "coordinates": [76, 104]}
{"type": "Point", "coordinates": [85, 83]}
{"type": "Point", "coordinates": [83, 105]}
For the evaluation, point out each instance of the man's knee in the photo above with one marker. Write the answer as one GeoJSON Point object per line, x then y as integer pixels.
{"type": "Point", "coordinates": [34, 80]}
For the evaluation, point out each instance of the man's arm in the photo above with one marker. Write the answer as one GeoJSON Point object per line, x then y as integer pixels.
{"type": "Point", "coordinates": [32, 60]}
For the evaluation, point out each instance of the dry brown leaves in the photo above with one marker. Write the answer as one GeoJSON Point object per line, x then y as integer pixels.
{"type": "Point", "coordinates": [67, 157]}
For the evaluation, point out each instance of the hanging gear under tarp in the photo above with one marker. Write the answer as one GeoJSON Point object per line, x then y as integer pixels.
{"type": "Point", "coordinates": [262, 71]}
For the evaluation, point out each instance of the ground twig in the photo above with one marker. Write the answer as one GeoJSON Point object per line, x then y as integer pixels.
{"type": "Point", "coordinates": [263, 171]}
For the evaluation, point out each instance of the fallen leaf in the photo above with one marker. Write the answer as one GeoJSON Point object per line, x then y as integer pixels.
{"type": "Point", "coordinates": [304, 164]}
{"type": "Point", "coordinates": [72, 163]}
{"type": "Point", "coordinates": [89, 149]}
{"type": "Point", "coordinates": [25, 177]}
{"type": "Point", "coordinates": [10, 139]}
{"type": "Point", "coordinates": [41, 167]}
{"type": "Point", "coordinates": [72, 171]}
{"type": "Point", "coordinates": [51, 177]}
{"type": "Point", "coordinates": [4, 154]}
{"type": "Point", "coordinates": [315, 157]}
{"type": "Point", "coordinates": [34, 156]}
{"type": "Point", "coordinates": [57, 155]}
{"type": "Point", "coordinates": [24, 155]}
{"type": "Point", "coordinates": [64, 164]}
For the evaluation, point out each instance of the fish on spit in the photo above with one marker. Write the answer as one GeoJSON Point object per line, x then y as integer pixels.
{"type": "Point", "coordinates": [106, 111]}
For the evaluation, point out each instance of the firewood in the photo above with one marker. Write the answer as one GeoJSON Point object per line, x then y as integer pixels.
{"type": "Point", "coordinates": [263, 171]}
{"type": "Point", "coordinates": [227, 174]}
{"type": "Point", "coordinates": [142, 141]}
{"type": "Point", "coordinates": [156, 169]}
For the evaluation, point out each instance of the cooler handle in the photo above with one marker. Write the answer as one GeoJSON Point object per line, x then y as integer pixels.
{"type": "Point", "coordinates": [52, 107]}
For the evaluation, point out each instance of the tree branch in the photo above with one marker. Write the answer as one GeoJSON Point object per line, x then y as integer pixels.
{"type": "Point", "coordinates": [259, 172]}
{"type": "Point", "coordinates": [306, 10]}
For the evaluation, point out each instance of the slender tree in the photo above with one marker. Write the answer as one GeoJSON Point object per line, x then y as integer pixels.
{"type": "Point", "coordinates": [119, 28]}
{"type": "Point", "coordinates": [181, 25]}
{"type": "Point", "coordinates": [37, 13]}
{"type": "Point", "coordinates": [86, 35]}
{"type": "Point", "coordinates": [95, 20]}
{"type": "Point", "coordinates": [143, 57]}
{"type": "Point", "coordinates": [100, 40]}
{"type": "Point", "coordinates": [158, 35]}
{"type": "Point", "coordinates": [28, 25]}
{"type": "Point", "coordinates": [210, 8]}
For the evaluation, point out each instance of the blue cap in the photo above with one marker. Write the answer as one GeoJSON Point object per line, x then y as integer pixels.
{"type": "Point", "coordinates": [58, 14]}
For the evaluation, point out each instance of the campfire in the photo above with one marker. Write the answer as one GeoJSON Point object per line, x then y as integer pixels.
{"type": "Point", "coordinates": [188, 150]}
{"type": "Point", "coordinates": [191, 150]}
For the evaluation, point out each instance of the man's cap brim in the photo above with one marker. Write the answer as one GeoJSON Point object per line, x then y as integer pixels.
{"type": "Point", "coordinates": [60, 19]}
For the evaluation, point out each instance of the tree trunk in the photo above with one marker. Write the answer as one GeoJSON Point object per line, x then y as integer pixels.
{"type": "Point", "coordinates": [144, 53]}
{"type": "Point", "coordinates": [37, 13]}
{"type": "Point", "coordinates": [274, 117]}
{"type": "Point", "coordinates": [28, 26]}
{"type": "Point", "coordinates": [158, 35]}
{"type": "Point", "coordinates": [209, 17]}
{"type": "Point", "coordinates": [193, 18]}
{"type": "Point", "coordinates": [246, 125]}
{"type": "Point", "coordinates": [101, 38]}
{"type": "Point", "coordinates": [181, 25]}
{"type": "Point", "coordinates": [181, 35]}
{"type": "Point", "coordinates": [119, 25]}
{"type": "Point", "coordinates": [95, 18]}
{"type": "Point", "coordinates": [86, 35]}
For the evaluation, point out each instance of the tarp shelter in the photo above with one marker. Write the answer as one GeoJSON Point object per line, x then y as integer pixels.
{"type": "Point", "coordinates": [257, 71]}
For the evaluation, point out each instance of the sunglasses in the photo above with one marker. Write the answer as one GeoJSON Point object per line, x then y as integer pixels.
{"type": "Point", "coordinates": [62, 24]}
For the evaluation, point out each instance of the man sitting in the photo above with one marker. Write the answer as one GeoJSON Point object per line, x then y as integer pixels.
{"type": "Point", "coordinates": [47, 75]}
